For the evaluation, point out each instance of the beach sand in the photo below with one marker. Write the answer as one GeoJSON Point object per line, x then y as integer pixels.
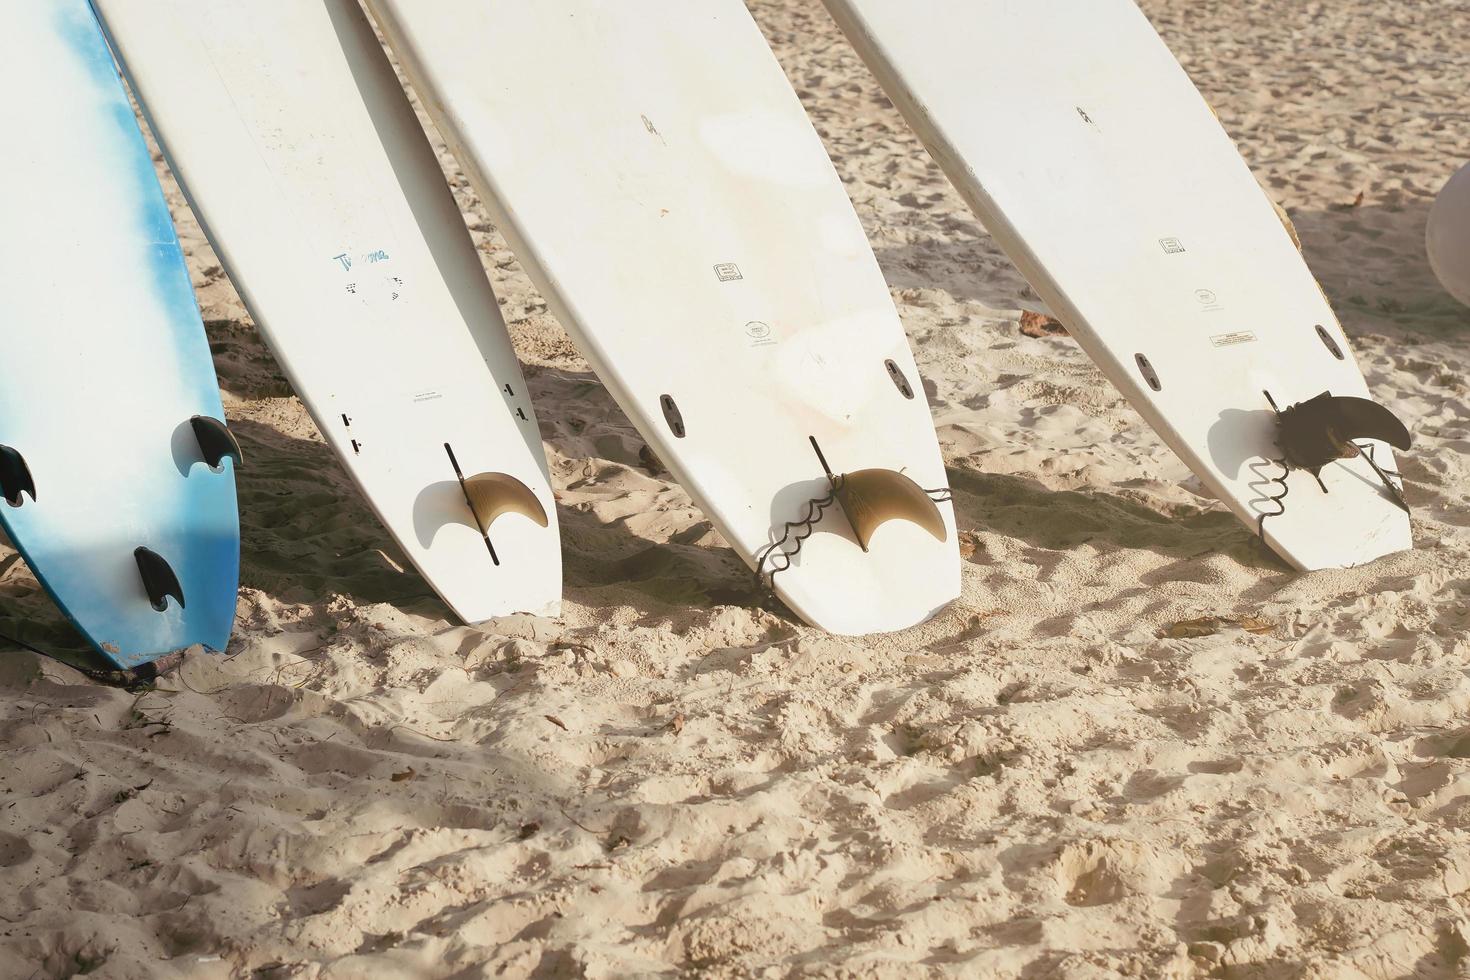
{"type": "Point", "coordinates": [676, 778]}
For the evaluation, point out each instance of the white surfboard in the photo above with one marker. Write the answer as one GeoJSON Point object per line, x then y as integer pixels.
{"type": "Point", "coordinates": [653, 169]}
{"type": "Point", "coordinates": [1108, 181]}
{"type": "Point", "coordinates": [117, 477]}
{"type": "Point", "coordinates": [303, 159]}
{"type": "Point", "coordinates": [1447, 236]}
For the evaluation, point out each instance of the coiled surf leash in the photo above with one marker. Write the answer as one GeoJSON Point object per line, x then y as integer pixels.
{"type": "Point", "coordinates": [1265, 498]}
{"type": "Point", "coordinates": [795, 533]}
{"type": "Point", "coordinates": [143, 675]}
{"type": "Point", "coordinates": [867, 498]}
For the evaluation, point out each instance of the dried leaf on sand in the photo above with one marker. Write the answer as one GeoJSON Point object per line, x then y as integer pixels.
{"type": "Point", "coordinates": [1041, 325]}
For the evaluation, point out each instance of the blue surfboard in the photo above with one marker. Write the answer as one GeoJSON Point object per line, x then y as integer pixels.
{"type": "Point", "coordinates": [117, 477]}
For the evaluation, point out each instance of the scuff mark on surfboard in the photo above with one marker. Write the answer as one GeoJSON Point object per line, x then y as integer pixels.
{"type": "Point", "coordinates": [652, 129]}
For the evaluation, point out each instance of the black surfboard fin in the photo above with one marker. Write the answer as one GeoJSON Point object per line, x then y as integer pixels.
{"type": "Point", "coordinates": [870, 498]}
{"type": "Point", "coordinates": [159, 579]}
{"type": "Point", "coordinates": [1319, 430]}
{"type": "Point", "coordinates": [216, 441]}
{"type": "Point", "coordinates": [15, 477]}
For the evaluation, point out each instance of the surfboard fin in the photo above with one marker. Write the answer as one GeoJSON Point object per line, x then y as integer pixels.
{"type": "Point", "coordinates": [15, 477]}
{"type": "Point", "coordinates": [870, 498]}
{"type": "Point", "coordinates": [216, 441]}
{"type": "Point", "coordinates": [1319, 430]}
{"type": "Point", "coordinates": [491, 495]}
{"type": "Point", "coordinates": [159, 579]}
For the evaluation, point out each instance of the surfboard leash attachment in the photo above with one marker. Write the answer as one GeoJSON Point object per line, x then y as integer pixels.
{"type": "Point", "coordinates": [15, 477]}
{"type": "Point", "coordinates": [491, 495]}
{"type": "Point", "coordinates": [868, 499]}
{"type": "Point", "coordinates": [1323, 430]}
{"type": "Point", "coordinates": [159, 580]}
{"type": "Point", "coordinates": [136, 678]}
{"type": "Point", "coordinates": [1278, 499]}
{"type": "Point", "coordinates": [793, 533]}
{"type": "Point", "coordinates": [216, 441]}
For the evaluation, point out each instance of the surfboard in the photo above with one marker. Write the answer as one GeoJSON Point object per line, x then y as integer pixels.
{"type": "Point", "coordinates": [1447, 236]}
{"type": "Point", "coordinates": [654, 171]}
{"type": "Point", "coordinates": [303, 159]}
{"type": "Point", "coordinates": [116, 468]}
{"type": "Point", "coordinates": [1106, 178]}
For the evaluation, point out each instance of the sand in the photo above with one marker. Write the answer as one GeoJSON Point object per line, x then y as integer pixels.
{"type": "Point", "coordinates": [1049, 779]}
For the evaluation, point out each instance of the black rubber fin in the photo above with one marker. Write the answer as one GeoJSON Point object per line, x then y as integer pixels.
{"type": "Point", "coordinates": [216, 441]}
{"type": "Point", "coordinates": [1319, 430]}
{"type": "Point", "coordinates": [1366, 419]}
{"type": "Point", "coordinates": [15, 477]}
{"type": "Point", "coordinates": [159, 579]}
{"type": "Point", "coordinates": [491, 495]}
{"type": "Point", "coordinates": [871, 498]}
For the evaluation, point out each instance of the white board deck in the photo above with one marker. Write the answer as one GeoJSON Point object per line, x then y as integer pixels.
{"type": "Point", "coordinates": [298, 150]}
{"type": "Point", "coordinates": [104, 359]}
{"type": "Point", "coordinates": [1447, 236]}
{"type": "Point", "coordinates": [653, 169]}
{"type": "Point", "coordinates": [1106, 178]}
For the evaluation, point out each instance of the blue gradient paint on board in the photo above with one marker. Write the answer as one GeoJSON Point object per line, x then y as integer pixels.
{"type": "Point", "coordinates": [77, 22]}
{"type": "Point", "coordinates": [155, 492]}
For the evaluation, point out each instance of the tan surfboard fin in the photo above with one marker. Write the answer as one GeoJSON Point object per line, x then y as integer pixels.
{"type": "Point", "coordinates": [871, 498]}
{"type": "Point", "coordinates": [492, 495]}
{"type": "Point", "coordinates": [868, 498]}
